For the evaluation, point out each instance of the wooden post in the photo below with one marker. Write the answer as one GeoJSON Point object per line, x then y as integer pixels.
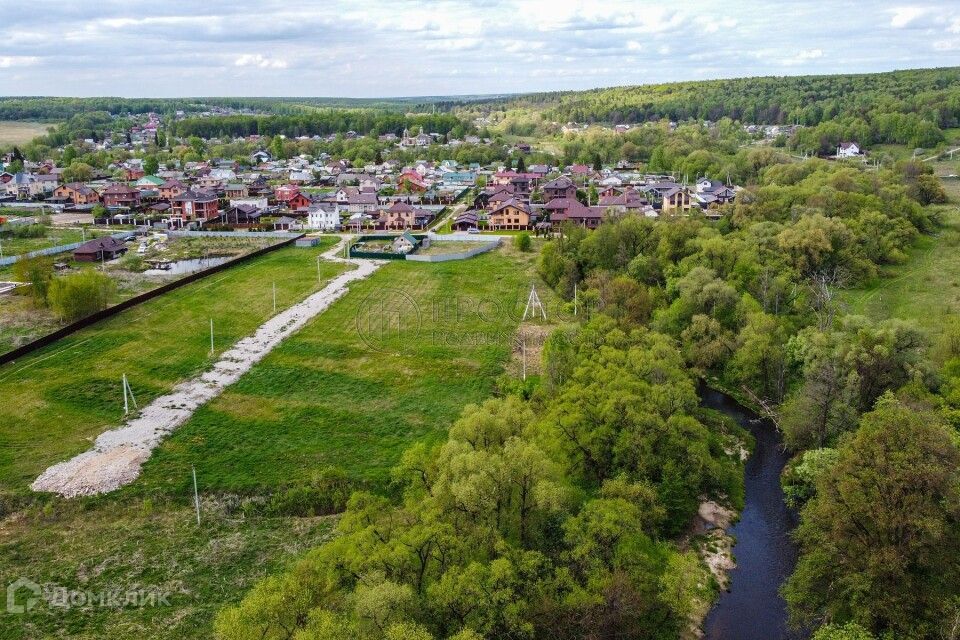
{"type": "Point", "coordinates": [196, 494]}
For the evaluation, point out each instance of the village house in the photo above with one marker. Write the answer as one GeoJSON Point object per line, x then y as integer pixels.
{"type": "Point", "coordinates": [401, 215]}
{"type": "Point", "coordinates": [120, 195]}
{"type": "Point", "coordinates": [105, 248]}
{"type": "Point", "coordinates": [512, 214]}
{"type": "Point", "coordinates": [848, 150]}
{"type": "Point", "coordinates": [171, 189]}
{"type": "Point", "coordinates": [561, 187]}
{"type": "Point", "coordinates": [232, 191]}
{"type": "Point", "coordinates": [194, 205]}
{"type": "Point", "coordinates": [323, 218]}
{"type": "Point", "coordinates": [466, 221]}
{"type": "Point", "coordinates": [77, 193]}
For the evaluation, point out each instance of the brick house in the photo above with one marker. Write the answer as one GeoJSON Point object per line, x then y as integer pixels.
{"type": "Point", "coordinates": [194, 205]}
{"type": "Point", "coordinates": [120, 195]}
{"type": "Point", "coordinates": [511, 215]}
{"type": "Point", "coordinates": [77, 193]}
{"type": "Point", "coordinates": [171, 189]}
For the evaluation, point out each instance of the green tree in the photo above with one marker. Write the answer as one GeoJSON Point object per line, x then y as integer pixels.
{"type": "Point", "coordinates": [151, 165]}
{"type": "Point", "coordinates": [79, 295]}
{"type": "Point", "coordinates": [880, 540]}
{"type": "Point", "coordinates": [38, 271]}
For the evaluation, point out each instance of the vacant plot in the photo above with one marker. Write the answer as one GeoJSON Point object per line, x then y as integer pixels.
{"type": "Point", "coordinates": [17, 132]}
{"type": "Point", "coordinates": [55, 400]}
{"type": "Point", "coordinates": [926, 289]}
{"type": "Point", "coordinates": [391, 363]}
{"type": "Point", "coordinates": [46, 237]}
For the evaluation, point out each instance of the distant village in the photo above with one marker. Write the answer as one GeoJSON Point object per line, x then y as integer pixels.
{"type": "Point", "coordinates": [329, 194]}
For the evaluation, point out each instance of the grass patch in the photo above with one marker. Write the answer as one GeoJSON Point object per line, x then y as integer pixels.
{"type": "Point", "coordinates": [357, 386]}
{"type": "Point", "coordinates": [925, 289]}
{"type": "Point", "coordinates": [56, 400]}
{"type": "Point", "coordinates": [21, 132]}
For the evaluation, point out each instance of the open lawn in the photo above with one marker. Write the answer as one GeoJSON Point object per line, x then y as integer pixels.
{"type": "Point", "coordinates": [17, 132]}
{"type": "Point", "coordinates": [57, 399]}
{"type": "Point", "coordinates": [926, 289]}
{"type": "Point", "coordinates": [391, 363]}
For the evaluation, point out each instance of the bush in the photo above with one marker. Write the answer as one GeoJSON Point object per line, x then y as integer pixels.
{"type": "Point", "coordinates": [327, 493]}
{"type": "Point", "coordinates": [523, 242]}
{"type": "Point", "coordinates": [77, 296]}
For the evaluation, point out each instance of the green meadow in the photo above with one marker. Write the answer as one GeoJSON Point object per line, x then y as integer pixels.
{"type": "Point", "coordinates": [390, 364]}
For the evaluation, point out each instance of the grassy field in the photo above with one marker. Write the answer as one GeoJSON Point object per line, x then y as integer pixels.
{"type": "Point", "coordinates": [58, 398]}
{"type": "Point", "coordinates": [926, 288]}
{"type": "Point", "coordinates": [357, 386]}
{"type": "Point", "coordinates": [391, 363]}
{"type": "Point", "coordinates": [54, 236]}
{"type": "Point", "coordinates": [17, 132]}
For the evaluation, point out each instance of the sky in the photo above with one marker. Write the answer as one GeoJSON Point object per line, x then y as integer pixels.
{"type": "Point", "coordinates": [362, 48]}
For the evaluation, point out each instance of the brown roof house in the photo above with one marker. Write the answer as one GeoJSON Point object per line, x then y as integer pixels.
{"type": "Point", "coordinates": [105, 248]}
{"type": "Point", "coordinates": [120, 195]}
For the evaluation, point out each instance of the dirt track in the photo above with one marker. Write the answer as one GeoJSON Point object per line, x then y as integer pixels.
{"type": "Point", "coordinates": [118, 454]}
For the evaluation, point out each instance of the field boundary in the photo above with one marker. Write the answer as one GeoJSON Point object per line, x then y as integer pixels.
{"type": "Point", "coordinates": [63, 332]}
{"type": "Point", "coordinates": [52, 251]}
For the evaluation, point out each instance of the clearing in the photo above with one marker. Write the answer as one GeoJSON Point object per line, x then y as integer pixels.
{"type": "Point", "coordinates": [21, 132]}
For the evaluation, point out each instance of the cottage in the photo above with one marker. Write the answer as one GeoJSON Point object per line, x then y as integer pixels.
{"type": "Point", "coordinates": [105, 248]}
{"type": "Point", "coordinates": [323, 218]}
{"type": "Point", "coordinates": [120, 195]}
{"type": "Point", "coordinates": [194, 205]}
{"type": "Point", "coordinates": [405, 243]}
{"type": "Point", "coordinates": [561, 187]}
{"type": "Point", "coordinates": [848, 150]}
{"type": "Point", "coordinates": [77, 193]}
{"type": "Point", "coordinates": [512, 214]}
{"type": "Point", "coordinates": [465, 221]}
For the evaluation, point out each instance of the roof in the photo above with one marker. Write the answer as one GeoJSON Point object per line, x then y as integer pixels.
{"type": "Point", "coordinates": [106, 243]}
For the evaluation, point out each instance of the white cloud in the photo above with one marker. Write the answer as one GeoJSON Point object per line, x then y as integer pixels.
{"type": "Point", "coordinates": [261, 61]}
{"type": "Point", "coordinates": [9, 62]}
{"type": "Point", "coordinates": [903, 16]}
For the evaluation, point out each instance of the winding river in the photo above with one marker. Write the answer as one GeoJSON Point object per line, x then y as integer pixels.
{"type": "Point", "coordinates": [752, 609]}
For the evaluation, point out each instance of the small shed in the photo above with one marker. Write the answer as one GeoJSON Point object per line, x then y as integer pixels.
{"type": "Point", "coordinates": [405, 243]}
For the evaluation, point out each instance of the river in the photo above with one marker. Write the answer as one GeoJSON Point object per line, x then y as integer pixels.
{"type": "Point", "coordinates": [752, 609]}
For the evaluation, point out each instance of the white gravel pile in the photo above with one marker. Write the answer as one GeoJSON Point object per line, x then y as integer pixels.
{"type": "Point", "coordinates": [118, 454]}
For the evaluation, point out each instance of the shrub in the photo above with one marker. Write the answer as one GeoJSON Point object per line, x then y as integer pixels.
{"type": "Point", "coordinates": [79, 295]}
{"type": "Point", "coordinates": [523, 242]}
{"type": "Point", "coordinates": [327, 493]}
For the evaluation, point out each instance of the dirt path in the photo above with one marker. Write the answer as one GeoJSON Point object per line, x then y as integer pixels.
{"type": "Point", "coordinates": [118, 454]}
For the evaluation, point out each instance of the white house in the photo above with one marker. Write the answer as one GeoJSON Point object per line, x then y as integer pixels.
{"type": "Point", "coordinates": [848, 150]}
{"type": "Point", "coordinates": [258, 203]}
{"type": "Point", "coordinates": [323, 219]}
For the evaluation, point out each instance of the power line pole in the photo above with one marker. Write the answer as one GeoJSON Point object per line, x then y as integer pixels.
{"type": "Point", "coordinates": [196, 494]}
{"type": "Point", "coordinates": [211, 336]}
{"type": "Point", "coordinates": [274, 298]}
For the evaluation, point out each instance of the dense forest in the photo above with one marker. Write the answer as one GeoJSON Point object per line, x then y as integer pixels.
{"type": "Point", "coordinates": [316, 122]}
{"type": "Point", "coordinates": [807, 100]}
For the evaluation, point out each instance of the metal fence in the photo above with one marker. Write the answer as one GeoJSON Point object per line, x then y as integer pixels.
{"type": "Point", "coordinates": [63, 332]}
{"type": "Point", "coordinates": [482, 247]}
{"type": "Point", "coordinates": [52, 251]}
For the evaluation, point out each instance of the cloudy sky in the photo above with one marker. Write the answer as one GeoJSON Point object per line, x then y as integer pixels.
{"type": "Point", "coordinates": [362, 48]}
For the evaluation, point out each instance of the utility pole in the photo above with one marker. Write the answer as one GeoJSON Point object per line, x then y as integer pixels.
{"type": "Point", "coordinates": [196, 494]}
{"type": "Point", "coordinates": [523, 352]}
{"type": "Point", "coordinates": [128, 396]}
{"type": "Point", "coordinates": [274, 298]}
{"type": "Point", "coordinates": [574, 298]}
{"type": "Point", "coordinates": [211, 336]}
